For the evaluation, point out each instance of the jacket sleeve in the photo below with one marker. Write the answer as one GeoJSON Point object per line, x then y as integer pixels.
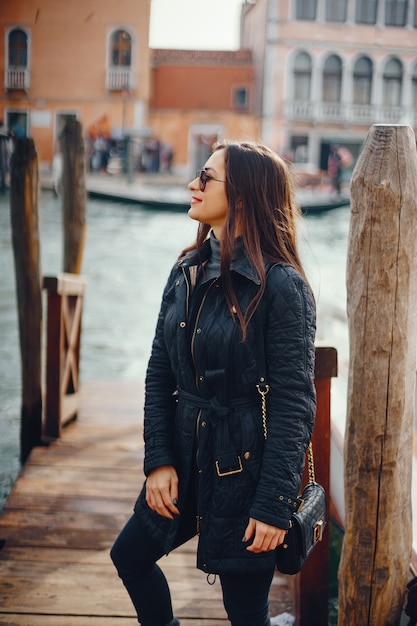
{"type": "Point", "coordinates": [289, 329]}
{"type": "Point", "coordinates": [160, 385]}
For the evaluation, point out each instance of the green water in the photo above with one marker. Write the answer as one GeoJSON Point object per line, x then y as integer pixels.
{"type": "Point", "coordinates": [336, 539]}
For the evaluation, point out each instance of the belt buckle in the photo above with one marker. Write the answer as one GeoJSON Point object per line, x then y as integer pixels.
{"type": "Point", "coordinates": [231, 471]}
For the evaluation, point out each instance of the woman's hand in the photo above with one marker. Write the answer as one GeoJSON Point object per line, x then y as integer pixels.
{"type": "Point", "coordinates": [265, 536]}
{"type": "Point", "coordinates": [162, 491]}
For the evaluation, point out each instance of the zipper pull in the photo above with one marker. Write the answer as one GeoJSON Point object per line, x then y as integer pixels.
{"type": "Point", "coordinates": [198, 523]}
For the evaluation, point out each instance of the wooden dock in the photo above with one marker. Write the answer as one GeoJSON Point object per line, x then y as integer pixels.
{"type": "Point", "coordinates": [64, 512]}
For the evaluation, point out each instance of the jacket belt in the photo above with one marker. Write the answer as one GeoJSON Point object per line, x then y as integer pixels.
{"type": "Point", "coordinates": [214, 406]}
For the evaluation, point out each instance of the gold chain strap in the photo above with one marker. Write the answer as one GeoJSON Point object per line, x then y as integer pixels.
{"type": "Point", "coordinates": [311, 473]}
{"type": "Point", "coordinates": [310, 456]}
{"type": "Point", "coordinates": [263, 393]}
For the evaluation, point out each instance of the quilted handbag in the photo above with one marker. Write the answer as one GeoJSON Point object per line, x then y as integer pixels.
{"type": "Point", "coordinates": [306, 528]}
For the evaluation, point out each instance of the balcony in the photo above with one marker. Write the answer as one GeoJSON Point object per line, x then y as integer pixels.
{"type": "Point", "coordinates": [352, 114]}
{"type": "Point", "coordinates": [119, 78]}
{"type": "Point", "coordinates": [17, 78]}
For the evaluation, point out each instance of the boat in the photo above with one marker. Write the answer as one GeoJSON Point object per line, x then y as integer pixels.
{"type": "Point", "coordinates": [324, 202]}
{"type": "Point", "coordinates": [165, 193]}
{"type": "Point", "coordinates": [175, 197]}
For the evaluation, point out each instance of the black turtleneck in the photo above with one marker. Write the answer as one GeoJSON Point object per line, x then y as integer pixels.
{"type": "Point", "coordinates": [212, 269]}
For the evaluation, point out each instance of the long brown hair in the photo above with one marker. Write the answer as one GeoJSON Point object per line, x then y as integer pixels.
{"type": "Point", "coordinates": [262, 209]}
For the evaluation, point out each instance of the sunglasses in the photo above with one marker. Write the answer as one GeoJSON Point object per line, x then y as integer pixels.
{"type": "Point", "coordinates": [204, 177]}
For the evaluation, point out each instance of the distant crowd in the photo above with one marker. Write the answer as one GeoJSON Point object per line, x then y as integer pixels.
{"type": "Point", "coordinates": [112, 156]}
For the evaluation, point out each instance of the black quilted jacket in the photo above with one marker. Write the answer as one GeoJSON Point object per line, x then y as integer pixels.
{"type": "Point", "coordinates": [202, 409]}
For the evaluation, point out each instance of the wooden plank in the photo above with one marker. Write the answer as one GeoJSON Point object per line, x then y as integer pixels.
{"type": "Point", "coordinates": [63, 538]}
{"type": "Point", "coordinates": [113, 482]}
{"type": "Point", "coordinates": [70, 456]}
{"type": "Point", "coordinates": [110, 506]}
{"type": "Point", "coordinates": [40, 474]}
{"type": "Point", "coordinates": [65, 284]}
{"type": "Point", "coordinates": [86, 620]}
{"type": "Point", "coordinates": [61, 520]}
{"type": "Point", "coordinates": [86, 489]}
{"type": "Point", "coordinates": [58, 556]}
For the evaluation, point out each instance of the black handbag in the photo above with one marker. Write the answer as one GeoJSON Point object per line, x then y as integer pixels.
{"type": "Point", "coordinates": [308, 522]}
{"type": "Point", "coordinates": [306, 528]}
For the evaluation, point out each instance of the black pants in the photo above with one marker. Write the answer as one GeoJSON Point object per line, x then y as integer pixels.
{"type": "Point", "coordinates": [135, 553]}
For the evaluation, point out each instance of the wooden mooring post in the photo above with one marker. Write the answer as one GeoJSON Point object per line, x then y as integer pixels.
{"type": "Point", "coordinates": [74, 196]}
{"type": "Point", "coordinates": [24, 178]}
{"type": "Point", "coordinates": [381, 307]}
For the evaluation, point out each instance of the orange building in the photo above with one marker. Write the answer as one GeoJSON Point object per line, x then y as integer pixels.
{"type": "Point", "coordinates": [199, 97]}
{"type": "Point", "coordinates": [91, 60]}
{"type": "Point", "coordinates": [86, 59]}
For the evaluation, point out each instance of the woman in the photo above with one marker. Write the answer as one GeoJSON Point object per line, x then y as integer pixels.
{"type": "Point", "coordinates": [211, 469]}
{"type": "Point", "coordinates": [334, 168]}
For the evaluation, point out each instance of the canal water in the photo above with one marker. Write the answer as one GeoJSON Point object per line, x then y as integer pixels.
{"type": "Point", "coordinates": [128, 255]}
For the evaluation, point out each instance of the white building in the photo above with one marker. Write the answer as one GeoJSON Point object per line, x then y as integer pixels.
{"type": "Point", "coordinates": [326, 70]}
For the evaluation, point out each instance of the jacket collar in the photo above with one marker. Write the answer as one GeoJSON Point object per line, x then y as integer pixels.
{"type": "Point", "coordinates": [241, 264]}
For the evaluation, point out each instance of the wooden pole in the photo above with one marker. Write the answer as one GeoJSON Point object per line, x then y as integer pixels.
{"type": "Point", "coordinates": [74, 196]}
{"type": "Point", "coordinates": [381, 307]}
{"type": "Point", "coordinates": [25, 236]}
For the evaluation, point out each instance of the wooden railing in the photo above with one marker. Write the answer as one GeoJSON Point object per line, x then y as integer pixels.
{"type": "Point", "coordinates": [312, 584]}
{"type": "Point", "coordinates": [63, 332]}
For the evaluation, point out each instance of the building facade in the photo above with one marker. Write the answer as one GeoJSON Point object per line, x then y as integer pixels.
{"type": "Point", "coordinates": [326, 70]}
{"type": "Point", "coordinates": [199, 97]}
{"type": "Point", "coordinates": [88, 60]}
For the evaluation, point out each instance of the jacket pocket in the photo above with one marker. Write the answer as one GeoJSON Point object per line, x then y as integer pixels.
{"type": "Point", "coordinates": [233, 486]}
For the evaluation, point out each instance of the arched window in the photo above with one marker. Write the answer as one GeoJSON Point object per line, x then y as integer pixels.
{"type": "Point", "coordinates": [362, 81]}
{"type": "Point", "coordinates": [121, 49]}
{"type": "Point", "coordinates": [392, 82]}
{"type": "Point", "coordinates": [336, 10]}
{"type": "Point", "coordinates": [306, 9]}
{"type": "Point", "coordinates": [332, 79]}
{"type": "Point", "coordinates": [414, 87]}
{"type": "Point", "coordinates": [366, 11]}
{"type": "Point", "coordinates": [18, 48]}
{"type": "Point", "coordinates": [396, 12]}
{"type": "Point", "coordinates": [302, 76]}
{"type": "Point", "coordinates": [119, 75]}
{"type": "Point", "coordinates": [17, 74]}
